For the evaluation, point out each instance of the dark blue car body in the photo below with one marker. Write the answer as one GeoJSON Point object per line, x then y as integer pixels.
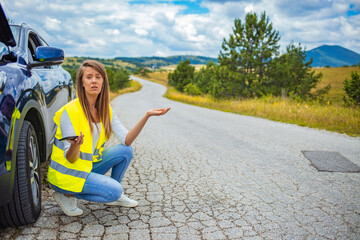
{"type": "Point", "coordinates": [33, 86]}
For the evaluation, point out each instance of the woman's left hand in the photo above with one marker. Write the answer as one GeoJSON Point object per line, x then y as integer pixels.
{"type": "Point", "coordinates": [134, 132]}
{"type": "Point", "coordinates": [157, 112]}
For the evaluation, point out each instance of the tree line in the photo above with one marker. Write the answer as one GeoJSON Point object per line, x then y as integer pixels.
{"type": "Point", "coordinates": [250, 65]}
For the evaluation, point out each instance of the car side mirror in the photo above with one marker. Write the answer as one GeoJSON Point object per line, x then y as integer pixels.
{"type": "Point", "coordinates": [47, 56]}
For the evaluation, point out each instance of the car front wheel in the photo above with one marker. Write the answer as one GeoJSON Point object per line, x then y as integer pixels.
{"type": "Point", "coordinates": [25, 206]}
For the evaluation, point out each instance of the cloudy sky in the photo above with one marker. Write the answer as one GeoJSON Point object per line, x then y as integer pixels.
{"type": "Point", "coordinates": [129, 28]}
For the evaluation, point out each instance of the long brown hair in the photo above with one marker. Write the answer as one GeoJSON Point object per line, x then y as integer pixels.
{"type": "Point", "coordinates": [102, 101]}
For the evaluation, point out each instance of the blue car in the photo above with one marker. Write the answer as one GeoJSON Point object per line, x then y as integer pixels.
{"type": "Point", "coordinates": [33, 86]}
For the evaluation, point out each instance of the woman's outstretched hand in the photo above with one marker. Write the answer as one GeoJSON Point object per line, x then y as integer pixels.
{"type": "Point", "coordinates": [134, 132]}
{"type": "Point", "coordinates": [157, 112]}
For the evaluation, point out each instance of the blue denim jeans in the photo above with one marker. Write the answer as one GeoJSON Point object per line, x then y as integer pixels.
{"type": "Point", "coordinates": [101, 188]}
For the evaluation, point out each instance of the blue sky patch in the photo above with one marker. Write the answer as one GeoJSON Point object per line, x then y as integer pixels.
{"type": "Point", "coordinates": [192, 7]}
{"type": "Point", "coordinates": [352, 11]}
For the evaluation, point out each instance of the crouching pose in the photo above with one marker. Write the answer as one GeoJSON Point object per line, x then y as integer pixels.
{"type": "Point", "coordinates": [78, 165]}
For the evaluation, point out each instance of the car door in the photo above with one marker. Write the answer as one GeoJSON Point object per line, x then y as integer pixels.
{"type": "Point", "coordinates": [52, 84]}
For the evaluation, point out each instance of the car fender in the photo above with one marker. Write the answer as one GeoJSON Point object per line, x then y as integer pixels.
{"type": "Point", "coordinates": [31, 105]}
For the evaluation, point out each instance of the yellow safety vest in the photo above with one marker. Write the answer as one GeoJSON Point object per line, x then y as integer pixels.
{"type": "Point", "coordinates": [62, 173]}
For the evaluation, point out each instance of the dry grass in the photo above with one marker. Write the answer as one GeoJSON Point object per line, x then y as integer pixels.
{"type": "Point", "coordinates": [172, 67]}
{"type": "Point", "coordinates": [335, 77]}
{"type": "Point", "coordinates": [332, 117]}
{"type": "Point", "coordinates": [160, 77]}
{"type": "Point", "coordinates": [328, 117]}
{"type": "Point", "coordinates": [135, 86]}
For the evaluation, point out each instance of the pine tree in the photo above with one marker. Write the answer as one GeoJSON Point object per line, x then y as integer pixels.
{"type": "Point", "coordinates": [250, 47]}
{"type": "Point", "coordinates": [352, 89]}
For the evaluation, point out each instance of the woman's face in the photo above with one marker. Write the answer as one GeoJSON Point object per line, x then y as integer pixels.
{"type": "Point", "coordinates": [92, 81]}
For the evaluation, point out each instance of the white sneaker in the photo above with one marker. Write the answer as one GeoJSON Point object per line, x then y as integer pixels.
{"type": "Point", "coordinates": [124, 201]}
{"type": "Point", "coordinates": [67, 204]}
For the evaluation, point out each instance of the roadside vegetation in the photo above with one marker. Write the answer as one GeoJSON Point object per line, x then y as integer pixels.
{"type": "Point", "coordinates": [335, 76]}
{"type": "Point", "coordinates": [134, 86]}
{"type": "Point", "coordinates": [329, 115]}
{"type": "Point", "coordinates": [253, 78]}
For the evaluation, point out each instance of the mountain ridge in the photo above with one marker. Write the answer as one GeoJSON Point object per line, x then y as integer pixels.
{"type": "Point", "coordinates": [323, 56]}
{"type": "Point", "coordinates": [332, 56]}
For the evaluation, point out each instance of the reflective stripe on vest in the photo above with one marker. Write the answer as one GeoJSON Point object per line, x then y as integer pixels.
{"type": "Point", "coordinates": [64, 170]}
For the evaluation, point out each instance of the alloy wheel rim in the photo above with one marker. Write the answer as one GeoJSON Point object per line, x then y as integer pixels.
{"type": "Point", "coordinates": [34, 174]}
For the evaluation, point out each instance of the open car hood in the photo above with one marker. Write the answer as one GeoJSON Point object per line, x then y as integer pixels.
{"type": "Point", "coordinates": [6, 35]}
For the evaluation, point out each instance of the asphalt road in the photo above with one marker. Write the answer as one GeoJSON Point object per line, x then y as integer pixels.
{"type": "Point", "coordinates": [204, 174]}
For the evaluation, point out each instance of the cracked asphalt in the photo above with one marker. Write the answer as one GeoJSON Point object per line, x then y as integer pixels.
{"type": "Point", "coordinates": [204, 174]}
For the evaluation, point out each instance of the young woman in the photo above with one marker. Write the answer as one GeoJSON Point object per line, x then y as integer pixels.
{"type": "Point", "coordinates": [78, 165]}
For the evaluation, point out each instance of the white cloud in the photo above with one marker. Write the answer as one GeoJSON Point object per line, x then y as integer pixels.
{"type": "Point", "coordinates": [161, 53]}
{"type": "Point", "coordinates": [249, 8]}
{"type": "Point", "coordinates": [141, 32]}
{"type": "Point", "coordinates": [118, 28]}
{"type": "Point", "coordinates": [52, 24]}
{"type": "Point", "coordinates": [113, 32]}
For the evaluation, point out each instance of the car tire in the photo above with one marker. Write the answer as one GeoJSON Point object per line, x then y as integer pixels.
{"type": "Point", "coordinates": [25, 205]}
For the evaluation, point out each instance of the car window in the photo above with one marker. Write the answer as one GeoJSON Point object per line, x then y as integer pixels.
{"type": "Point", "coordinates": [43, 43]}
{"type": "Point", "coordinates": [33, 43]}
{"type": "Point", "coordinates": [16, 32]}
{"type": "Point", "coordinates": [31, 49]}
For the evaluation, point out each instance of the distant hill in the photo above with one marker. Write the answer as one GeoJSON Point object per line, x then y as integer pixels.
{"type": "Point", "coordinates": [132, 63]}
{"type": "Point", "coordinates": [75, 62]}
{"type": "Point", "coordinates": [325, 55]}
{"type": "Point", "coordinates": [333, 56]}
{"type": "Point", "coordinates": [165, 61]}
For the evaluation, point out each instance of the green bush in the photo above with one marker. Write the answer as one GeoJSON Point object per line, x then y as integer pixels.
{"type": "Point", "coordinates": [182, 75]}
{"type": "Point", "coordinates": [192, 89]}
{"type": "Point", "coordinates": [142, 71]}
{"type": "Point", "coordinates": [229, 84]}
{"type": "Point", "coordinates": [352, 89]}
{"type": "Point", "coordinates": [204, 78]}
{"type": "Point", "coordinates": [118, 78]}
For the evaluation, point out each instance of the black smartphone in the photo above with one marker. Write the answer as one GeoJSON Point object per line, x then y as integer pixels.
{"type": "Point", "coordinates": [69, 137]}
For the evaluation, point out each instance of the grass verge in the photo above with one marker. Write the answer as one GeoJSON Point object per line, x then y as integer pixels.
{"type": "Point", "coordinates": [334, 118]}
{"type": "Point", "coordinates": [331, 118]}
{"type": "Point", "coordinates": [134, 86]}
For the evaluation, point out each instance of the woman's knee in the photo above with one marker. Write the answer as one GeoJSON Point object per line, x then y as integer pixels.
{"type": "Point", "coordinates": [127, 151]}
{"type": "Point", "coordinates": [104, 187]}
{"type": "Point", "coordinates": [115, 193]}
{"type": "Point", "coordinates": [114, 190]}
